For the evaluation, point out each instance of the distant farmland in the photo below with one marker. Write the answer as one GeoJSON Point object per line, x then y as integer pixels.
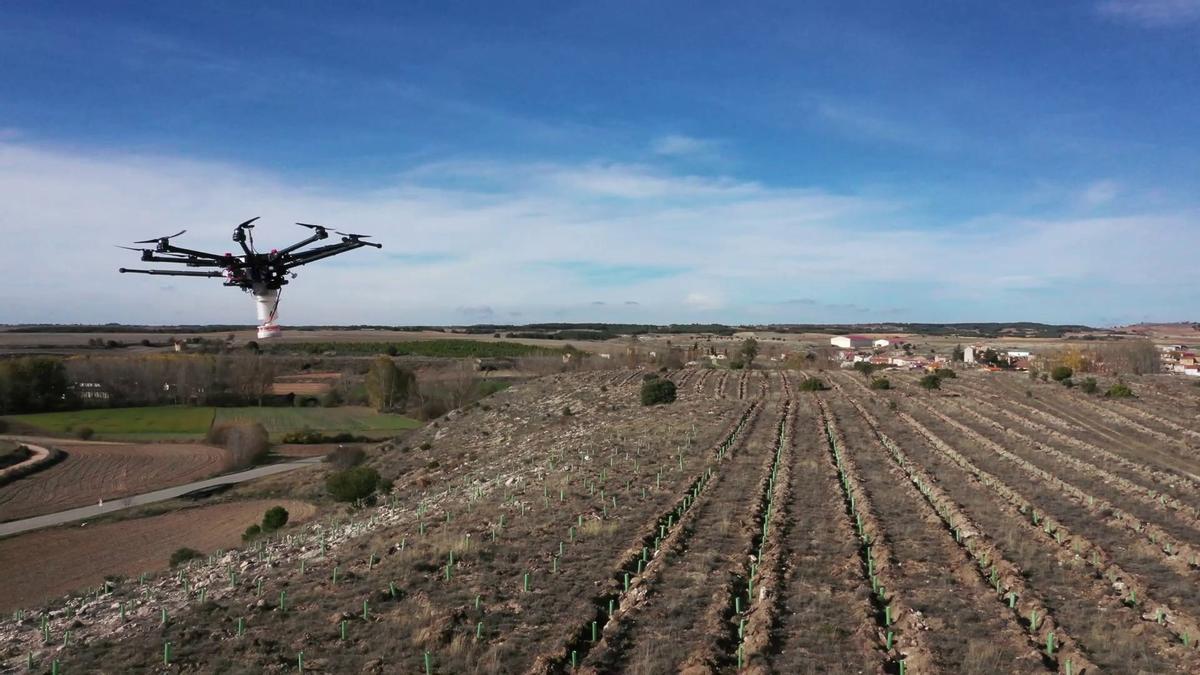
{"type": "Point", "coordinates": [188, 423]}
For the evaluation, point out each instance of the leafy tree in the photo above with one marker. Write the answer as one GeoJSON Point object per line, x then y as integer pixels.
{"type": "Point", "coordinates": [251, 532]}
{"type": "Point", "coordinates": [748, 351]}
{"type": "Point", "coordinates": [958, 353]}
{"type": "Point", "coordinates": [1060, 373]}
{"type": "Point", "coordinates": [881, 383]}
{"type": "Point", "coordinates": [864, 368]}
{"type": "Point", "coordinates": [658, 390]}
{"type": "Point", "coordinates": [931, 382]}
{"type": "Point", "coordinates": [388, 386]}
{"type": "Point", "coordinates": [353, 484]}
{"type": "Point", "coordinates": [34, 384]}
{"type": "Point", "coordinates": [275, 518]}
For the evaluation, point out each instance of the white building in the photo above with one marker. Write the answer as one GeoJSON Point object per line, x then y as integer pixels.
{"type": "Point", "coordinates": [970, 353]}
{"type": "Point", "coordinates": [882, 342]}
{"type": "Point", "coordinates": [851, 341]}
{"type": "Point", "coordinates": [1018, 354]}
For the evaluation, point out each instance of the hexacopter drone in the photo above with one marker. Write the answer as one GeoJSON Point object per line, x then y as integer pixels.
{"type": "Point", "coordinates": [262, 274]}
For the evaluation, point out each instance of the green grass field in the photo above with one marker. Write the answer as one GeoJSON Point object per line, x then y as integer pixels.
{"type": "Point", "coordinates": [188, 423]}
{"type": "Point", "coordinates": [354, 420]}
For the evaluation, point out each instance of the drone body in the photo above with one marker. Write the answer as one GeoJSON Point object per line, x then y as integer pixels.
{"type": "Point", "coordinates": [261, 274]}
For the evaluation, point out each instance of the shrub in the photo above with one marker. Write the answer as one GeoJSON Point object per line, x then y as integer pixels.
{"type": "Point", "coordinates": [1068, 383]}
{"type": "Point", "coordinates": [251, 532]}
{"type": "Point", "coordinates": [247, 442]}
{"type": "Point", "coordinates": [658, 391]}
{"type": "Point", "coordinates": [1119, 390]}
{"type": "Point", "coordinates": [1088, 386]}
{"type": "Point", "coordinates": [182, 555]}
{"type": "Point", "coordinates": [85, 432]}
{"type": "Point", "coordinates": [945, 373]}
{"type": "Point", "coordinates": [864, 367]}
{"type": "Point", "coordinates": [567, 411]}
{"type": "Point", "coordinates": [881, 383]}
{"type": "Point", "coordinates": [353, 484]}
{"type": "Point", "coordinates": [1033, 374]}
{"type": "Point", "coordinates": [812, 384]}
{"type": "Point", "coordinates": [1060, 373]}
{"type": "Point", "coordinates": [931, 382]}
{"type": "Point", "coordinates": [308, 437]}
{"type": "Point", "coordinates": [275, 518]}
{"type": "Point", "coordinates": [345, 457]}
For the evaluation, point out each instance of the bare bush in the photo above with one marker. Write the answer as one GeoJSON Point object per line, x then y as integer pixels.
{"type": "Point", "coordinates": [247, 442]}
{"type": "Point", "coordinates": [346, 456]}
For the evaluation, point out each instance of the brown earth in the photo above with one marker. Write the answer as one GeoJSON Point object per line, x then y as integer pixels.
{"type": "Point", "coordinates": [61, 560]}
{"type": "Point", "coordinates": [559, 520]}
{"type": "Point", "coordinates": [94, 471]}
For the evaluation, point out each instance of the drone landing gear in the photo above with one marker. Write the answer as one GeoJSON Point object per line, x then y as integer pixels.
{"type": "Point", "coordinates": [267, 303]}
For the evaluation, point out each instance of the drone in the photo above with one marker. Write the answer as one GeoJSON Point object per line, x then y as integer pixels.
{"type": "Point", "coordinates": [261, 274]}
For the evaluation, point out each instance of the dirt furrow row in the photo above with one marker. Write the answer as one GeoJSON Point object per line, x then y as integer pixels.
{"type": "Point", "coordinates": [826, 620]}
{"type": "Point", "coordinates": [967, 632]}
{"type": "Point", "coordinates": [1165, 449]}
{"type": "Point", "coordinates": [1173, 553]}
{"type": "Point", "coordinates": [726, 621]}
{"type": "Point", "coordinates": [901, 632]}
{"type": "Point", "coordinates": [1025, 607]}
{"type": "Point", "coordinates": [1124, 586]}
{"type": "Point", "coordinates": [1090, 607]}
{"type": "Point", "coordinates": [1167, 480]}
{"type": "Point", "coordinates": [765, 566]}
{"type": "Point", "coordinates": [681, 595]}
{"type": "Point", "coordinates": [1097, 479]}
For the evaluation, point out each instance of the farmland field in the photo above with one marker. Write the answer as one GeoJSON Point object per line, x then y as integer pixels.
{"type": "Point", "coordinates": [127, 548]}
{"type": "Point", "coordinates": [996, 525]}
{"type": "Point", "coordinates": [94, 471]}
{"type": "Point", "coordinates": [192, 423]}
{"type": "Point", "coordinates": [354, 420]}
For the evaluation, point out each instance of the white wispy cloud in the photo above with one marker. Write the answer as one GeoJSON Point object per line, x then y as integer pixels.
{"type": "Point", "coordinates": [1101, 192]}
{"type": "Point", "coordinates": [1152, 13]}
{"type": "Point", "coordinates": [681, 145]}
{"type": "Point", "coordinates": [473, 239]}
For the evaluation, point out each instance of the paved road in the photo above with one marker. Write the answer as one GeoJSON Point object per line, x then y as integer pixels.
{"type": "Point", "coordinates": [50, 519]}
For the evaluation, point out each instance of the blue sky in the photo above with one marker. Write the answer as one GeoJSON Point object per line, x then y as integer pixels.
{"type": "Point", "coordinates": [674, 161]}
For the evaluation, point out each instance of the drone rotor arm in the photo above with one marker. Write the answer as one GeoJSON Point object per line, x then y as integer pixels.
{"type": "Point", "coordinates": [172, 273]}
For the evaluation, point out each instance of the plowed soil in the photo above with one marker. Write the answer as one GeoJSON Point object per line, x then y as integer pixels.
{"type": "Point", "coordinates": [51, 562]}
{"type": "Point", "coordinates": [109, 471]}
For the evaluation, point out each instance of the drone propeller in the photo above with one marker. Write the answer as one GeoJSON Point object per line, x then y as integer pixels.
{"type": "Point", "coordinates": [129, 248]}
{"type": "Point", "coordinates": [249, 223]}
{"type": "Point", "coordinates": [311, 226]}
{"type": "Point", "coordinates": [355, 236]}
{"type": "Point", "coordinates": [158, 239]}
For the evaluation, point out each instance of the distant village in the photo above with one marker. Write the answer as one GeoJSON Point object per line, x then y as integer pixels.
{"type": "Point", "coordinates": [900, 353]}
{"type": "Point", "coordinates": [1179, 359]}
